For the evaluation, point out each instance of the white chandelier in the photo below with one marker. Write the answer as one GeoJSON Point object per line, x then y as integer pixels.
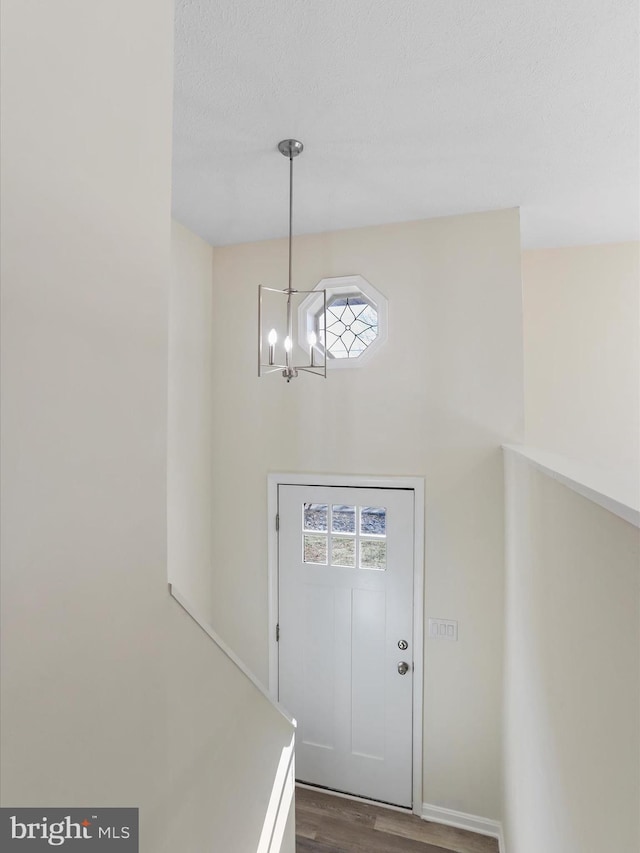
{"type": "Point", "coordinates": [271, 358]}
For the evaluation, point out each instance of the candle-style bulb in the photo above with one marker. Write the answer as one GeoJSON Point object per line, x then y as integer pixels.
{"type": "Point", "coordinates": [287, 344]}
{"type": "Point", "coordinates": [312, 338]}
{"type": "Point", "coordinates": [273, 337]}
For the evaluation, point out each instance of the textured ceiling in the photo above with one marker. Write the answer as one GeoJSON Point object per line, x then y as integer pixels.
{"type": "Point", "coordinates": [408, 109]}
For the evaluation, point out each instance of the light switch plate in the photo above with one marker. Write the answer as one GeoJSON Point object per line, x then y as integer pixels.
{"type": "Point", "coordinates": [443, 629]}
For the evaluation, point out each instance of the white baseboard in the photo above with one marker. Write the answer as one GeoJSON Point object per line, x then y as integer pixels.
{"type": "Point", "coordinates": [501, 845]}
{"type": "Point", "coordinates": [461, 820]}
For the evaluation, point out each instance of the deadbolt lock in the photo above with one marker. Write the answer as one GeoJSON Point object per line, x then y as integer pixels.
{"type": "Point", "coordinates": [403, 645]}
{"type": "Point", "coordinates": [403, 667]}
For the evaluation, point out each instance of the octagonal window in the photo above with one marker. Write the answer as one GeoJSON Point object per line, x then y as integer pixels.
{"type": "Point", "coordinates": [351, 324]}
{"type": "Point", "coordinates": [355, 322]}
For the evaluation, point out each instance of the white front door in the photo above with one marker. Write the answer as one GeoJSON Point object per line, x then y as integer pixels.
{"type": "Point", "coordinates": [346, 626]}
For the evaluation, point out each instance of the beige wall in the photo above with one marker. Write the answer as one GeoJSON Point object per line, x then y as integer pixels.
{"type": "Point", "coordinates": [572, 671]}
{"type": "Point", "coordinates": [437, 400]}
{"type": "Point", "coordinates": [582, 352]}
{"type": "Point", "coordinates": [190, 427]}
{"type": "Point", "coordinates": [110, 694]}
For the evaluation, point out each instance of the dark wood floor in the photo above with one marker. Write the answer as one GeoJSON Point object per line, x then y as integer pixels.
{"type": "Point", "coordinates": [329, 824]}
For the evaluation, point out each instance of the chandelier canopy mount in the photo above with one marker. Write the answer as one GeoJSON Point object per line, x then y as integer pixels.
{"type": "Point", "coordinates": [290, 147]}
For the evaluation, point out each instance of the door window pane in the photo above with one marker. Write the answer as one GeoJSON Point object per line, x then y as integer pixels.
{"type": "Point", "coordinates": [315, 549]}
{"type": "Point", "coordinates": [315, 516]}
{"type": "Point", "coordinates": [373, 554]}
{"type": "Point", "coordinates": [373, 521]}
{"type": "Point", "coordinates": [343, 551]}
{"type": "Point", "coordinates": [343, 519]}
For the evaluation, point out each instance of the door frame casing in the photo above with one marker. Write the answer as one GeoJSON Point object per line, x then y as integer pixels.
{"type": "Point", "coordinates": [415, 484]}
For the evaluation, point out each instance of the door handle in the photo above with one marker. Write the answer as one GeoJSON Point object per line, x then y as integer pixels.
{"type": "Point", "coordinates": [403, 667]}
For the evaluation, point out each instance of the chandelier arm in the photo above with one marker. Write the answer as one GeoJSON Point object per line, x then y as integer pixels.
{"type": "Point", "coordinates": [315, 370]}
